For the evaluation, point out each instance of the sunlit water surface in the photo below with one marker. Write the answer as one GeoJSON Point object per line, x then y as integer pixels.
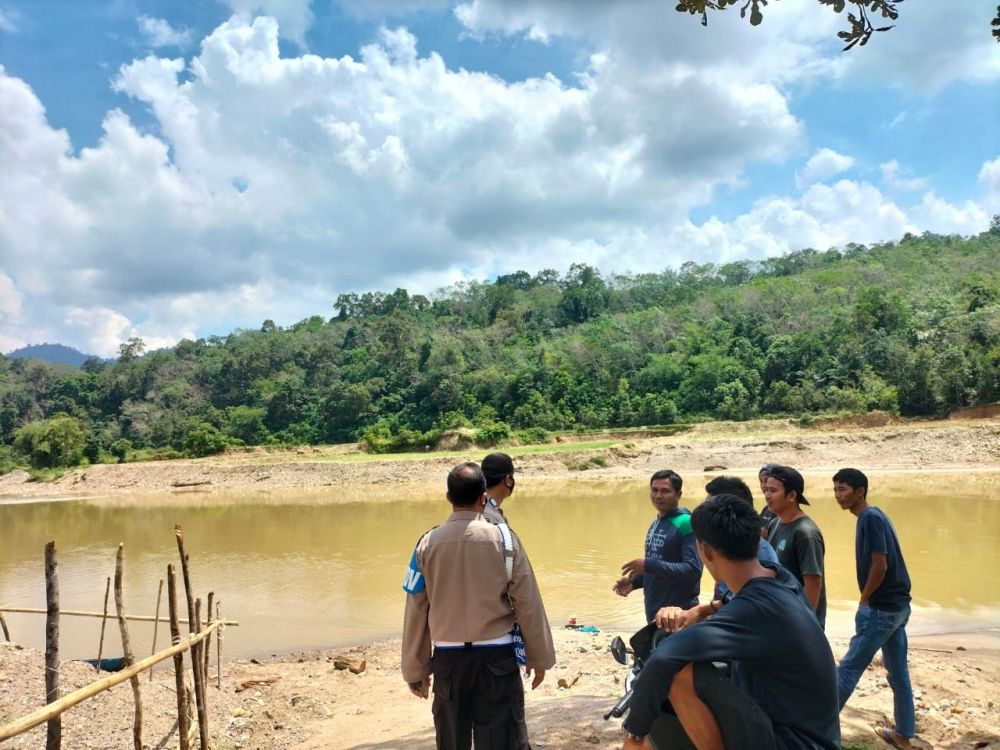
{"type": "Point", "coordinates": [308, 569]}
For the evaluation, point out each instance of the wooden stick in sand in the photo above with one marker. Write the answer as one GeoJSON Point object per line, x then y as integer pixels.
{"type": "Point", "coordinates": [156, 625]}
{"type": "Point", "coordinates": [3, 625]}
{"type": "Point", "coordinates": [53, 739]}
{"type": "Point", "coordinates": [196, 657]}
{"type": "Point", "coordinates": [208, 641]}
{"type": "Point", "coordinates": [218, 646]}
{"type": "Point", "coordinates": [127, 645]}
{"type": "Point", "coordinates": [104, 621]}
{"type": "Point", "coordinates": [175, 638]}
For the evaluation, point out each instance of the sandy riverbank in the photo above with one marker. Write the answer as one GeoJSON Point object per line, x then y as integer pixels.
{"type": "Point", "coordinates": [905, 446]}
{"type": "Point", "coordinates": [310, 705]}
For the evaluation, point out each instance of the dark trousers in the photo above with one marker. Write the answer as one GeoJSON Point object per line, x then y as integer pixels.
{"type": "Point", "coordinates": [743, 723]}
{"type": "Point", "coordinates": [477, 694]}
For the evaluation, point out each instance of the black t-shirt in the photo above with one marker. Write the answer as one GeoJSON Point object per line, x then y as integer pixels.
{"type": "Point", "coordinates": [781, 660]}
{"type": "Point", "coordinates": [802, 551]}
{"type": "Point", "coordinates": [875, 533]}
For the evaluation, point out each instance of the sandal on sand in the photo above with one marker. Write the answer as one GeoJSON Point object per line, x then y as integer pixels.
{"type": "Point", "coordinates": [889, 735]}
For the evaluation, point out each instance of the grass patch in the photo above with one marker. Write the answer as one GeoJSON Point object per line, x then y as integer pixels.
{"type": "Point", "coordinates": [584, 463]}
{"type": "Point", "coordinates": [518, 450]}
{"type": "Point", "coordinates": [46, 475]}
{"type": "Point", "coordinates": [588, 445]}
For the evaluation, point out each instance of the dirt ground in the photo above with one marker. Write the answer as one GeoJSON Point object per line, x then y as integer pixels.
{"type": "Point", "coordinates": [302, 702]}
{"type": "Point", "coordinates": [310, 704]}
{"type": "Point", "coordinates": [873, 442]}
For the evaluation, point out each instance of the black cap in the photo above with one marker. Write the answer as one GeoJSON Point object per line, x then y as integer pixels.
{"type": "Point", "coordinates": [496, 466]}
{"type": "Point", "coordinates": [791, 479]}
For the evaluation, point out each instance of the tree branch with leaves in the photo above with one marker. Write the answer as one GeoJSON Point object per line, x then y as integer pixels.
{"type": "Point", "coordinates": [862, 15]}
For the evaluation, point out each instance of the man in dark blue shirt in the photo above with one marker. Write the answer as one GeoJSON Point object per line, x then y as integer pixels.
{"type": "Point", "coordinates": [884, 609]}
{"type": "Point", "coordinates": [783, 692]}
{"type": "Point", "coordinates": [670, 572]}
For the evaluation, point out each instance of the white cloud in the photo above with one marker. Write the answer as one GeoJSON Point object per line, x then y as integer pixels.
{"type": "Point", "coordinates": [989, 181]}
{"type": "Point", "coordinates": [898, 120]}
{"type": "Point", "coordinates": [159, 33]}
{"type": "Point", "coordinates": [10, 20]}
{"type": "Point", "coordinates": [825, 216]}
{"type": "Point", "coordinates": [894, 178]}
{"type": "Point", "coordinates": [104, 329]}
{"type": "Point", "coordinates": [295, 17]}
{"type": "Point", "coordinates": [271, 183]}
{"type": "Point", "coordinates": [392, 158]}
{"type": "Point", "coordinates": [943, 217]}
{"type": "Point", "coordinates": [824, 164]}
{"type": "Point", "coordinates": [10, 300]}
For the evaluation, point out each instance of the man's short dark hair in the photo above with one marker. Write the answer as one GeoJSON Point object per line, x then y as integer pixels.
{"type": "Point", "coordinates": [728, 524]}
{"type": "Point", "coordinates": [466, 484]}
{"type": "Point", "coordinates": [852, 478]}
{"type": "Point", "coordinates": [729, 486]}
{"type": "Point", "coordinates": [675, 479]}
{"type": "Point", "coordinates": [765, 470]}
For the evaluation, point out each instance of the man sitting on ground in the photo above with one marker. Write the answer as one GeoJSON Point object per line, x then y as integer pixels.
{"type": "Point", "coordinates": [783, 692]}
{"type": "Point", "coordinates": [675, 618]}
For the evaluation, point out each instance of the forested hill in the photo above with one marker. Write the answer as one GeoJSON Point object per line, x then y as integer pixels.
{"type": "Point", "coordinates": [912, 327]}
{"type": "Point", "coordinates": [55, 353]}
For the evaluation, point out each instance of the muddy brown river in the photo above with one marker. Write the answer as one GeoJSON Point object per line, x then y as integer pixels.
{"type": "Point", "coordinates": [304, 569]}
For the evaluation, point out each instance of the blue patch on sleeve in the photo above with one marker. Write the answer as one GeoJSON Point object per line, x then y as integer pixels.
{"type": "Point", "coordinates": [414, 582]}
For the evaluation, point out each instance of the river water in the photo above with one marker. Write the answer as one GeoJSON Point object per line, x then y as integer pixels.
{"type": "Point", "coordinates": [319, 568]}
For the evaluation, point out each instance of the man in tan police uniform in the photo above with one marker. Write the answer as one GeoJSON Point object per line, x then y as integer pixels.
{"type": "Point", "coordinates": [460, 609]}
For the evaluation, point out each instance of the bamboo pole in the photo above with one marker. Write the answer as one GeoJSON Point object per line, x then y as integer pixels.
{"type": "Point", "coordinates": [127, 644]}
{"type": "Point", "coordinates": [3, 625]}
{"type": "Point", "coordinates": [175, 638]}
{"type": "Point", "coordinates": [218, 646]}
{"type": "Point", "coordinates": [83, 613]}
{"type": "Point", "coordinates": [156, 624]}
{"type": "Point", "coordinates": [43, 714]}
{"type": "Point", "coordinates": [53, 738]}
{"type": "Point", "coordinates": [199, 692]}
{"type": "Point", "coordinates": [104, 621]}
{"type": "Point", "coordinates": [208, 641]}
{"type": "Point", "coordinates": [185, 571]}
{"type": "Point", "coordinates": [198, 668]}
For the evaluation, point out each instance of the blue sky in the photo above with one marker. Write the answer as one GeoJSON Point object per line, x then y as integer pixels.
{"type": "Point", "coordinates": [172, 170]}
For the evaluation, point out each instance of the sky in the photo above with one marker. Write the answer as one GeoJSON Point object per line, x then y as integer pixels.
{"type": "Point", "coordinates": [177, 170]}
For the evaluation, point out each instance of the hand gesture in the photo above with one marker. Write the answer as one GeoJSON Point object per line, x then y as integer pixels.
{"type": "Point", "coordinates": [623, 586]}
{"type": "Point", "coordinates": [634, 567]}
{"type": "Point", "coordinates": [673, 619]}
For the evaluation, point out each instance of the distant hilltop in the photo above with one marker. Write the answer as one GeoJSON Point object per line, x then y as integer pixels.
{"type": "Point", "coordinates": [55, 353]}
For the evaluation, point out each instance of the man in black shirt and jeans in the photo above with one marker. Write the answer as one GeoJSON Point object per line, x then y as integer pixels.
{"type": "Point", "coordinates": [783, 692]}
{"type": "Point", "coordinates": [884, 607]}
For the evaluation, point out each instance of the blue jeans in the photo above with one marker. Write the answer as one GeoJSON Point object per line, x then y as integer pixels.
{"type": "Point", "coordinates": [880, 629]}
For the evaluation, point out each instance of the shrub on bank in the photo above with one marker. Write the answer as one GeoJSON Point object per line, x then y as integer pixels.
{"type": "Point", "coordinates": [51, 443]}
{"type": "Point", "coordinates": [204, 439]}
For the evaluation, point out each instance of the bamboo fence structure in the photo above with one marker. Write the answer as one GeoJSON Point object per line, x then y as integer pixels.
{"type": "Point", "coordinates": [197, 643]}
{"type": "Point", "coordinates": [42, 715]}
